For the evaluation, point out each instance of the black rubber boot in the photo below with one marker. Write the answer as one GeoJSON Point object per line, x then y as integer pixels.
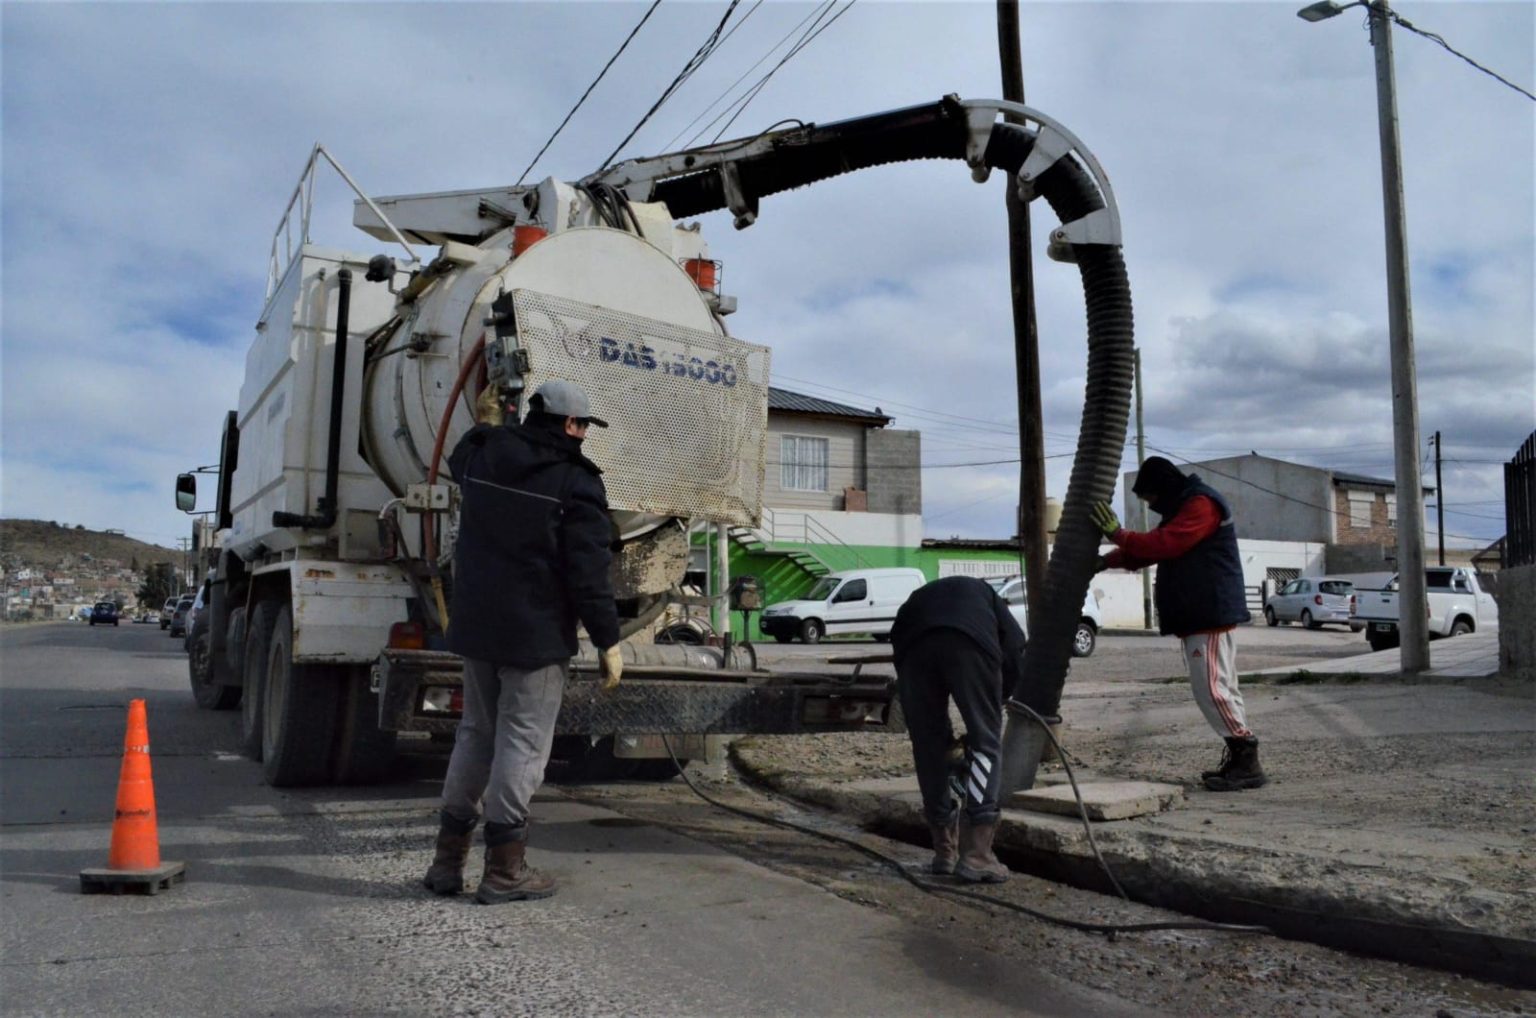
{"type": "Point", "coordinates": [508, 877]}
{"type": "Point", "coordinates": [446, 874]}
{"type": "Point", "coordinates": [1241, 770]}
{"type": "Point", "coordinates": [1226, 761]}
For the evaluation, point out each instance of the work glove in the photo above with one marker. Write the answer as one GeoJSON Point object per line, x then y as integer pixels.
{"type": "Point", "coordinates": [488, 407]}
{"type": "Point", "coordinates": [611, 664]}
{"type": "Point", "coordinates": [1105, 519]}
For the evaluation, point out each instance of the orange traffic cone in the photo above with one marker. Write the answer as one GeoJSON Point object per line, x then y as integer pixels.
{"type": "Point", "coordinates": [133, 861]}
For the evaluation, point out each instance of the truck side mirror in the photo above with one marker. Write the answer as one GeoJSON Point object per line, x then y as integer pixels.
{"type": "Point", "coordinates": [186, 492]}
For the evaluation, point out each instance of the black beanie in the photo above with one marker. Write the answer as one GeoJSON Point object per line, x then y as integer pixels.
{"type": "Point", "coordinates": [1158, 477]}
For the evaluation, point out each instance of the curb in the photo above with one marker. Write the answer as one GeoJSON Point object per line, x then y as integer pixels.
{"type": "Point", "coordinates": [1414, 917]}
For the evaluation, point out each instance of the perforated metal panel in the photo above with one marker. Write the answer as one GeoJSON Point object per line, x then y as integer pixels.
{"type": "Point", "coordinates": [687, 410]}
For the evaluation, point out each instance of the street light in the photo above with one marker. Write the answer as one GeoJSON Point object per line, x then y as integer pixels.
{"type": "Point", "coordinates": [1412, 626]}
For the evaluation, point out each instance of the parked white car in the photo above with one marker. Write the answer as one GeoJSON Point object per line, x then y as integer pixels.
{"type": "Point", "coordinates": [855, 601]}
{"type": "Point", "coordinates": [1011, 589]}
{"type": "Point", "coordinates": [1312, 601]}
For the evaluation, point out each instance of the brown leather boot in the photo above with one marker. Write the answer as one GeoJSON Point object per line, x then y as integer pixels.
{"type": "Point", "coordinates": [977, 864]}
{"type": "Point", "coordinates": [946, 847]}
{"type": "Point", "coordinates": [507, 876]}
{"type": "Point", "coordinates": [446, 874]}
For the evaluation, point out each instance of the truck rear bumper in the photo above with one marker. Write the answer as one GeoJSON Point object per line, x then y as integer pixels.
{"type": "Point", "coordinates": [417, 693]}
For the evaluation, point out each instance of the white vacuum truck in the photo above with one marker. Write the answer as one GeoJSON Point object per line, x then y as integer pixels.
{"type": "Point", "coordinates": [331, 577]}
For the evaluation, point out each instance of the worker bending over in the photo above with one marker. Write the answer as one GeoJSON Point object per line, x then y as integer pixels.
{"type": "Point", "coordinates": [532, 558]}
{"type": "Point", "coordinates": [954, 638]}
{"type": "Point", "coordinates": [1200, 599]}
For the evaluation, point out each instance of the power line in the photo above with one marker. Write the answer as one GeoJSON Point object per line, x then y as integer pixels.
{"type": "Point", "coordinates": [1432, 37]}
{"type": "Point", "coordinates": [756, 89]}
{"type": "Point", "coordinates": [694, 63]}
{"type": "Point", "coordinates": [622, 46]}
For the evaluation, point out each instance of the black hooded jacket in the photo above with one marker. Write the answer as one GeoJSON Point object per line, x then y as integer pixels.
{"type": "Point", "coordinates": [970, 606]}
{"type": "Point", "coordinates": [533, 548]}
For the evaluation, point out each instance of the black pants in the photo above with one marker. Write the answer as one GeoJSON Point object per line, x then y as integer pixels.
{"type": "Point", "coordinates": [945, 664]}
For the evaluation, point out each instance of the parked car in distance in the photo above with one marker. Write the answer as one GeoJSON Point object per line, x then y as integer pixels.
{"type": "Point", "coordinates": [167, 610]}
{"type": "Point", "coordinates": [1312, 601]}
{"type": "Point", "coordinates": [1090, 621]}
{"type": "Point", "coordinates": [103, 613]}
{"type": "Point", "coordinates": [179, 615]}
{"type": "Point", "coordinates": [853, 601]}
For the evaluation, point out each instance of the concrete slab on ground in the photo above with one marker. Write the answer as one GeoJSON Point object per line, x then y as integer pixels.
{"type": "Point", "coordinates": [1102, 800]}
{"type": "Point", "coordinates": [1475, 655]}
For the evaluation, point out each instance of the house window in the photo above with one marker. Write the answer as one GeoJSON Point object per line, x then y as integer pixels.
{"type": "Point", "coordinates": [1360, 510]}
{"type": "Point", "coordinates": [1391, 510]}
{"type": "Point", "coordinates": [802, 463]}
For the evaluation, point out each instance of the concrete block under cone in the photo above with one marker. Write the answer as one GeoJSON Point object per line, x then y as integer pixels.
{"type": "Point", "coordinates": [1104, 800]}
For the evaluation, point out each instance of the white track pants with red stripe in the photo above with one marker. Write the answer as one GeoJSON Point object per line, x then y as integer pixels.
{"type": "Point", "coordinates": [1212, 662]}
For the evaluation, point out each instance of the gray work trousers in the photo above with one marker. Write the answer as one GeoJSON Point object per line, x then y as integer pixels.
{"type": "Point", "coordinates": [503, 740]}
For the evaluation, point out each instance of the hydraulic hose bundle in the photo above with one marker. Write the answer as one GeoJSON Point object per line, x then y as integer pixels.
{"type": "Point", "coordinates": [734, 175]}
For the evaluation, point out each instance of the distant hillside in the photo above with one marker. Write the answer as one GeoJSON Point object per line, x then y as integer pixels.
{"type": "Point", "coordinates": [41, 544]}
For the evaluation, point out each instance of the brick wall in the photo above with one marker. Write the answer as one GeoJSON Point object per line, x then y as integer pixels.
{"type": "Point", "coordinates": [895, 482]}
{"type": "Point", "coordinates": [1380, 530]}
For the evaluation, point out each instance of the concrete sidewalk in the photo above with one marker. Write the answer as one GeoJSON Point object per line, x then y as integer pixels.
{"type": "Point", "coordinates": [1397, 821]}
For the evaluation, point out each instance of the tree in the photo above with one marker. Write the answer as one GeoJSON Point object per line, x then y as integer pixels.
{"type": "Point", "coordinates": [159, 584]}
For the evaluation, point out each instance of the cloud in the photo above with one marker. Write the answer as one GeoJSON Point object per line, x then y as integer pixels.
{"type": "Point", "coordinates": [149, 149]}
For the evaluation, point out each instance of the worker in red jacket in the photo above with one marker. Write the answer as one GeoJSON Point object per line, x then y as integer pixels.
{"type": "Point", "coordinates": [1200, 599]}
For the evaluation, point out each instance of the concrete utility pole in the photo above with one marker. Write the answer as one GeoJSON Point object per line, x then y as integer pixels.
{"type": "Point", "coordinates": [1412, 625]}
{"type": "Point", "coordinates": [1026, 339]}
{"type": "Point", "coordinates": [1413, 628]}
{"type": "Point", "coordinates": [1439, 501]}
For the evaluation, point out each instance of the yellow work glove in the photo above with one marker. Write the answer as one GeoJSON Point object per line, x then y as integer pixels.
{"type": "Point", "coordinates": [1104, 518]}
{"type": "Point", "coordinates": [488, 407]}
{"type": "Point", "coordinates": [611, 664]}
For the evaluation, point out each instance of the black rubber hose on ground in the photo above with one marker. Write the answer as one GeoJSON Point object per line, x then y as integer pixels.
{"type": "Point", "coordinates": [939, 131]}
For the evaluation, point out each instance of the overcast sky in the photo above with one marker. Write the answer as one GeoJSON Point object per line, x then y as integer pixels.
{"type": "Point", "coordinates": [148, 151]}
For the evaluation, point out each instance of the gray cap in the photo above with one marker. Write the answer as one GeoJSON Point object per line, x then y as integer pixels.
{"type": "Point", "coordinates": [567, 399]}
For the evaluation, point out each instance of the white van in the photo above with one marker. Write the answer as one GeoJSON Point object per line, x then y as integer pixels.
{"type": "Point", "coordinates": [855, 601]}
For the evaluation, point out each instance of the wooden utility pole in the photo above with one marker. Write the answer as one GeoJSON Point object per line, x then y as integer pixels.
{"type": "Point", "coordinates": [1141, 457]}
{"type": "Point", "coordinates": [1439, 500]}
{"type": "Point", "coordinates": [1026, 340]}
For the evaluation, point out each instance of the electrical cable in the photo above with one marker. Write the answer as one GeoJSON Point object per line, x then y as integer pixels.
{"type": "Point", "coordinates": [1432, 37]}
{"type": "Point", "coordinates": [933, 887]}
{"type": "Point", "coordinates": [757, 89]}
{"type": "Point", "coordinates": [622, 46]}
{"type": "Point", "coordinates": [815, 12]}
{"type": "Point", "coordinates": [694, 63]}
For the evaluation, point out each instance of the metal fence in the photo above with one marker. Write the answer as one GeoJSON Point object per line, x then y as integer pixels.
{"type": "Point", "coordinates": [1520, 506]}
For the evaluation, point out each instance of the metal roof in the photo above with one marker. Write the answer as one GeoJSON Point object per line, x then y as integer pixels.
{"type": "Point", "coordinates": [799, 403]}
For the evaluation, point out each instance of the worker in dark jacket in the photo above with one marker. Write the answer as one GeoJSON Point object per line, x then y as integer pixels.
{"type": "Point", "coordinates": [1200, 599]}
{"type": "Point", "coordinates": [531, 560]}
{"type": "Point", "coordinates": [954, 638]}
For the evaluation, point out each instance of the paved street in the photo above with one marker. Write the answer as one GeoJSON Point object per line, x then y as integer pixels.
{"type": "Point", "coordinates": [307, 903]}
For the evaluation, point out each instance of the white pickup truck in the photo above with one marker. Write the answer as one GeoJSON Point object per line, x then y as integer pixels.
{"type": "Point", "coordinates": [1457, 605]}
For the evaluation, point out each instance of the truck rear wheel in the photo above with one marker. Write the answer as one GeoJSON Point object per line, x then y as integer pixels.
{"type": "Point", "coordinates": [298, 713]}
{"type": "Point", "coordinates": [364, 752]}
{"type": "Point", "coordinates": [1381, 641]}
{"type": "Point", "coordinates": [258, 638]}
{"type": "Point", "coordinates": [1461, 627]}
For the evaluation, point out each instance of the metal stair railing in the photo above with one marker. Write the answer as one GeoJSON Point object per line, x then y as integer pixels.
{"type": "Point", "coordinates": [780, 528]}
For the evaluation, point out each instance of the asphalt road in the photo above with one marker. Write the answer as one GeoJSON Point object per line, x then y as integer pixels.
{"type": "Point", "coordinates": [307, 902]}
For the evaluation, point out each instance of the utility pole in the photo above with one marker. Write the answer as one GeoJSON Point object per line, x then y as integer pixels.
{"type": "Point", "coordinates": [1026, 340]}
{"type": "Point", "coordinates": [1413, 629]}
{"type": "Point", "coordinates": [1439, 501]}
{"type": "Point", "coordinates": [1141, 457]}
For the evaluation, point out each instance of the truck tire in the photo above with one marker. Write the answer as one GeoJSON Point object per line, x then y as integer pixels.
{"type": "Point", "coordinates": [364, 752]}
{"type": "Point", "coordinates": [206, 691]}
{"type": "Point", "coordinates": [253, 676]}
{"type": "Point", "coordinates": [811, 631]}
{"type": "Point", "coordinates": [1461, 627]}
{"type": "Point", "coordinates": [299, 707]}
{"type": "Point", "coordinates": [1381, 641]}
